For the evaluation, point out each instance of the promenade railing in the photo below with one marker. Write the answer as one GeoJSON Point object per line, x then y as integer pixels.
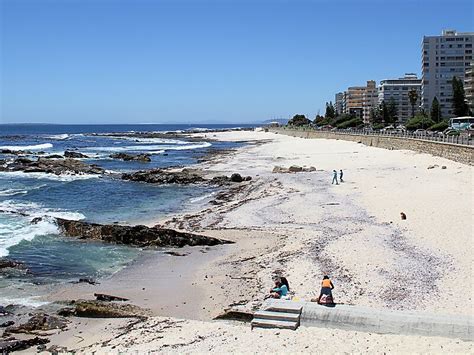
{"type": "Point", "coordinates": [460, 139]}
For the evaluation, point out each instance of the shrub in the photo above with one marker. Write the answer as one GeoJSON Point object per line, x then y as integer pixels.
{"type": "Point", "coordinates": [440, 126]}
{"type": "Point", "coordinates": [419, 121]}
{"type": "Point", "coordinates": [354, 122]}
{"type": "Point", "coordinates": [299, 120]}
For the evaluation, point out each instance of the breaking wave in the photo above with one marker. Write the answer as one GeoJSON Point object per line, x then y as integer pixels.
{"type": "Point", "coordinates": [28, 147]}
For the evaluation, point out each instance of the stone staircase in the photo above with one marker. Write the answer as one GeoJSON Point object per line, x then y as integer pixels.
{"type": "Point", "coordinates": [278, 314]}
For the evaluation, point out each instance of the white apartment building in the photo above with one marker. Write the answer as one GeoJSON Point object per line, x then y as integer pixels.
{"type": "Point", "coordinates": [398, 89]}
{"type": "Point", "coordinates": [443, 57]}
{"type": "Point", "coordinates": [469, 86]}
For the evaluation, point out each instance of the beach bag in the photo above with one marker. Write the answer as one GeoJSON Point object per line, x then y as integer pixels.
{"type": "Point", "coordinates": [326, 299]}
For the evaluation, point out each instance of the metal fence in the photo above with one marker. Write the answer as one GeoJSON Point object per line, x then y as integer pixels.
{"type": "Point", "coordinates": [441, 138]}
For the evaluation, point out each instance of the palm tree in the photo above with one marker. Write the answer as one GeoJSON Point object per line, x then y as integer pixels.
{"type": "Point", "coordinates": [413, 97]}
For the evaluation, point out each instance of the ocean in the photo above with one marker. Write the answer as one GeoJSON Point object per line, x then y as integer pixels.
{"type": "Point", "coordinates": [51, 258]}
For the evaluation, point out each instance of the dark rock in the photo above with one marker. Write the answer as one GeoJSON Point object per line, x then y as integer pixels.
{"type": "Point", "coordinates": [5, 311]}
{"type": "Point", "coordinates": [7, 324]}
{"type": "Point", "coordinates": [295, 169]}
{"type": "Point", "coordinates": [7, 263]}
{"type": "Point", "coordinates": [50, 166]}
{"type": "Point", "coordinates": [36, 220]}
{"type": "Point", "coordinates": [161, 176]}
{"type": "Point", "coordinates": [220, 180]}
{"type": "Point", "coordinates": [175, 253]}
{"type": "Point", "coordinates": [15, 152]}
{"type": "Point", "coordinates": [108, 298]}
{"type": "Point", "coordinates": [242, 316]}
{"type": "Point", "coordinates": [247, 178]}
{"type": "Point", "coordinates": [236, 177]}
{"type": "Point", "coordinates": [131, 157]}
{"type": "Point", "coordinates": [87, 281]}
{"type": "Point", "coordinates": [40, 322]}
{"type": "Point", "coordinates": [139, 236]}
{"type": "Point", "coordinates": [75, 155]}
{"type": "Point", "coordinates": [53, 156]}
{"type": "Point", "coordinates": [101, 309]}
{"type": "Point", "coordinates": [11, 344]}
{"type": "Point", "coordinates": [57, 349]}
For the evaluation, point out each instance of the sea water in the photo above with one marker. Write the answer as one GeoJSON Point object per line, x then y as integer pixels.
{"type": "Point", "coordinates": [52, 258]}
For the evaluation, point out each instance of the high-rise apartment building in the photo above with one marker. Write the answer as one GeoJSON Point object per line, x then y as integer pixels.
{"type": "Point", "coordinates": [444, 57]}
{"type": "Point", "coordinates": [369, 100]}
{"type": "Point", "coordinates": [339, 103]}
{"type": "Point", "coordinates": [398, 89]}
{"type": "Point", "coordinates": [359, 100]}
{"type": "Point", "coordinates": [469, 86]}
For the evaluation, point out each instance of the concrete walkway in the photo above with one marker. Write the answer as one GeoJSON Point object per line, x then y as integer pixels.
{"type": "Point", "coordinates": [384, 321]}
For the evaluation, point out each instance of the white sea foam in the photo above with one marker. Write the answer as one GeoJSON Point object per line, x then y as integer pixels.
{"type": "Point", "coordinates": [12, 192]}
{"type": "Point", "coordinates": [22, 301]}
{"type": "Point", "coordinates": [58, 136]}
{"type": "Point", "coordinates": [15, 225]}
{"type": "Point", "coordinates": [153, 149]}
{"type": "Point", "coordinates": [154, 140]}
{"type": "Point", "coordinates": [33, 209]}
{"type": "Point", "coordinates": [13, 233]}
{"type": "Point", "coordinates": [46, 176]}
{"type": "Point", "coordinates": [28, 147]}
{"type": "Point", "coordinates": [202, 198]}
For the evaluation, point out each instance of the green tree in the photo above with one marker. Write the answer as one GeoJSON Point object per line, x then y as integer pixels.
{"type": "Point", "coordinates": [320, 120]}
{"type": "Point", "coordinates": [460, 107]}
{"type": "Point", "coordinates": [330, 111]}
{"type": "Point", "coordinates": [299, 120]}
{"type": "Point", "coordinates": [435, 113]}
{"type": "Point", "coordinates": [392, 111]}
{"type": "Point", "coordinates": [413, 97]}
{"type": "Point", "coordinates": [383, 113]}
{"type": "Point", "coordinates": [419, 121]}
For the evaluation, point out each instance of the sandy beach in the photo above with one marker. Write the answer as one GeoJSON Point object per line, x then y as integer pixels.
{"type": "Point", "coordinates": [301, 226]}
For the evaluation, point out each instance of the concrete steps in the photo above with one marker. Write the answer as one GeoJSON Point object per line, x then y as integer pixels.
{"type": "Point", "coordinates": [282, 315]}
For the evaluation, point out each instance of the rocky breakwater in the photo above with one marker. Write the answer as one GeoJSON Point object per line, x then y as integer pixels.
{"type": "Point", "coordinates": [138, 236]}
{"type": "Point", "coordinates": [50, 166]}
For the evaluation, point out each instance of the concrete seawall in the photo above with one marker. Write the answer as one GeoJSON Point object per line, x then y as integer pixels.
{"type": "Point", "coordinates": [364, 319]}
{"type": "Point", "coordinates": [456, 152]}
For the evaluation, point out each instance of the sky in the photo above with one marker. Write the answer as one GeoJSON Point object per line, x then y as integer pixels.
{"type": "Point", "coordinates": [204, 61]}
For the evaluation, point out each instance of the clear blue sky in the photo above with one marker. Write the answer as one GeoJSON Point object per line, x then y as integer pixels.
{"type": "Point", "coordinates": [143, 61]}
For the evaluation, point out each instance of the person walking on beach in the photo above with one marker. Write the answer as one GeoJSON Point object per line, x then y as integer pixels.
{"type": "Point", "coordinates": [334, 177]}
{"type": "Point", "coordinates": [340, 175]}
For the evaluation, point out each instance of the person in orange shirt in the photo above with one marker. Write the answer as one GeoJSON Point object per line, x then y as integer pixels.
{"type": "Point", "coordinates": [326, 287]}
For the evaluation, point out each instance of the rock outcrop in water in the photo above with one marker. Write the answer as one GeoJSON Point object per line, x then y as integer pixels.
{"type": "Point", "coordinates": [138, 236]}
{"type": "Point", "coordinates": [162, 176]}
{"type": "Point", "coordinates": [182, 177]}
{"type": "Point", "coordinates": [49, 166]}
{"type": "Point", "coordinates": [131, 157]}
{"type": "Point", "coordinates": [74, 155]}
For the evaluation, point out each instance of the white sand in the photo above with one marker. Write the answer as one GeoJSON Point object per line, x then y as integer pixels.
{"type": "Point", "coordinates": [304, 227]}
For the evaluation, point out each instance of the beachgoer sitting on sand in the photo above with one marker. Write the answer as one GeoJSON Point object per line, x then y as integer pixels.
{"type": "Point", "coordinates": [280, 290]}
{"type": "Point", "coordinates": [284, 281]}
{"type": "Point", "coordinates": [326, 287]}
